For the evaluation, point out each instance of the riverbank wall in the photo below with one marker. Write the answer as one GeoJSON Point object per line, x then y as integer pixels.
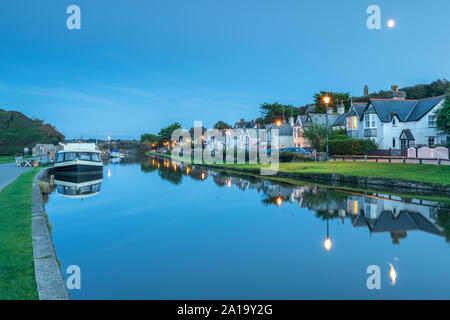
{"type": "Point", "coordinates": [49, 279]}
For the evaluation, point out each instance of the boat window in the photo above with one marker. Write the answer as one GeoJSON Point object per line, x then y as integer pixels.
{"type": "Point", "coordinates": [71, 191]}
{"type": "Point", "coordinates": [70, 156]}
{"type": "Point", "coordinates": [96, 157]}
{"type": "Point", "coordinates": [60, 157]}
{"type": "Point", "coordinates": [84, 190]}
{"type": "Point", "coordinates": [84, 156]}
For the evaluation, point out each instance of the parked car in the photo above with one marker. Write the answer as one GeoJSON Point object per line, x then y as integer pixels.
{"type": "Point", "coordinates": [296, 150]}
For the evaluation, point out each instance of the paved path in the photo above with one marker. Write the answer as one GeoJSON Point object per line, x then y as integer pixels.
{"type": "Point", "coordinates": [9, 172]}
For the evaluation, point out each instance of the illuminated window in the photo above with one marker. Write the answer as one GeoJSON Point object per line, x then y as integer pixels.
{"type": "Point", "coordinates": [355, 123]}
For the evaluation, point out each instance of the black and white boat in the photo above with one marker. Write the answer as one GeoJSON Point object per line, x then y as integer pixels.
{"type": "Point", "coordinates": [78, 158]}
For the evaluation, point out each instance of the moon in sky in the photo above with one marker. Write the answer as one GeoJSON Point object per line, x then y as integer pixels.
{"type": "Point", "coordinates": [391, 23]}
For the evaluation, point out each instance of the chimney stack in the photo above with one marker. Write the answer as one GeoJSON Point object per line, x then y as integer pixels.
{"type": "Point", "coordinates": [366, 90]}
{"type": "Point", "coordinates": [396, 94]}
{"type": "Point", "coordinates": [291, 121]}
{"type": "Point", "coordinates": [341, 107]}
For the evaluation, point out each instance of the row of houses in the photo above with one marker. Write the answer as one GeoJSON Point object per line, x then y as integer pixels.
{"type": "Point", "coordinates": [394, 123]}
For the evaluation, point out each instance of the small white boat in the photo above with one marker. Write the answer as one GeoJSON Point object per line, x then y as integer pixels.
{"type": "Point", "coordinates": [78, 158]}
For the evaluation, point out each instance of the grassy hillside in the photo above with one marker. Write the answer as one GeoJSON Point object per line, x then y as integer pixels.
{"type": "Point", "coordinates": [17, 131]}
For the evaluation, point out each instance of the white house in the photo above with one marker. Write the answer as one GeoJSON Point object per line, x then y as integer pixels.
{"type": "Point", "coordinates": [285, 134]}
{"type": "Point", "coordinates": [396, 123]}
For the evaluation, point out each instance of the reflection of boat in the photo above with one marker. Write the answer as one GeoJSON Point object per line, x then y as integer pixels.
{"type": "Point", "coordinates": [78, 158]}
{"type": "Point", "coordinates": [114, 160]}
{"type": "Point", "coordinates": [78, 187]}
{"type": "Point", "coordinates": [115, 154]}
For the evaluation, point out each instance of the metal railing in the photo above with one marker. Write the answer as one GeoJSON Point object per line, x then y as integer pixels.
{"type": "Point", "coordinates": [390, 159]}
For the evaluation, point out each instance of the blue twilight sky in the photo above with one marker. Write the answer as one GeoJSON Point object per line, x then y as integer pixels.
{"type": "Point", "coordinates": [136, 66]}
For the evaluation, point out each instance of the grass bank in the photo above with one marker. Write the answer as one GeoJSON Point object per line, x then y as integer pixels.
{"type": "Point", "coordinates": [421, 173]}
{"type": "Point", "coordinates": [17, 277]}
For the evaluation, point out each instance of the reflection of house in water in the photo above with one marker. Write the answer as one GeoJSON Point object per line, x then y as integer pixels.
{"type": "Point", "coordinates": [394, 215]}
{"type": "Point", "coordinates": [380, 213]}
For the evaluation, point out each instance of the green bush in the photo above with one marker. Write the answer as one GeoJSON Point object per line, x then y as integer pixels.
{"type": "Point", "coordinates": [350, 146]}
{"type": "Point", "coordinates": [287, 156]}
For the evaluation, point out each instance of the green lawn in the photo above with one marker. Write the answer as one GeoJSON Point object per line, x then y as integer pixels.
{"type": "Point", "coordinates": [17, 278]}
{"type": "Point", "coordinates": [406, 171]}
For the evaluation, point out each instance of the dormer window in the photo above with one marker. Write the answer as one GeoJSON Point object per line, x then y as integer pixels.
{"type": "Point", "coordinates": [394, 123]}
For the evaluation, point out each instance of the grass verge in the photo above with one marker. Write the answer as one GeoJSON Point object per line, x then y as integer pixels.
{"type": "Point", "coordinates": [425, 173]}
{"type": "Point", "coordinates": [17, 277]}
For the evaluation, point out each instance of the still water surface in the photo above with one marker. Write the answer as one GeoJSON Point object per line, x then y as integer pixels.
{"type": "Point", "coordinates": [154, 230]}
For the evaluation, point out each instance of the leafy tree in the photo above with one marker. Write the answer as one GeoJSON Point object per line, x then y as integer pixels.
{"type": "Point", "coordinates": [335, 100]}
{"type": "Point", "coordinates": [316, 135]}
{"type": "Point", "coordinates": [420, 91]}
{"type": "Point", "coordinates": [220, 125]}
{"type": "Point", "coordinates": [148, 137]}
{"type": "Point", "coordinates": [271, 112]}
{"type": "Point", "coordinates": [443, 116]}
{"type": "Point", "coordinates": [166, 133]}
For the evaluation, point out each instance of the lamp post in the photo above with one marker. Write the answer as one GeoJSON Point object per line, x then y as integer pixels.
{"type": "Point", "coordinates": [326, 99]}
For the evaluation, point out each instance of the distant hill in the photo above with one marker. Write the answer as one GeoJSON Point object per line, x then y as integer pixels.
{"type": "Point", "coordinates": [420, 91]}
{"type": "Point", "coordinates": [17, 131]}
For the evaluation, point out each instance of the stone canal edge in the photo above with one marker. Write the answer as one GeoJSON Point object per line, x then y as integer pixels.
{"type": "Point", "coordinates": [49, 279]}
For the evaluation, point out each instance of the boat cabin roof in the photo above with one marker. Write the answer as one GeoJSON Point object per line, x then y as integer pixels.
{"type": "Point", "coordinates": [80, 147]}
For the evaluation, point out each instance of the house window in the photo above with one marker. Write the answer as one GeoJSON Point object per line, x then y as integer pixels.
{"type": "Point", "coordinates": [355, 122]}
{"type": "Point", "coordinates": [430, 141]}
{"type": "Point", "coordinates": [431, 121]}
{"type": "Point", "coordinates": [394, 123]}
{"type": "Point", "coordinates": [393, 142]}
{"type": "Point", "coordinates": [370, 121]}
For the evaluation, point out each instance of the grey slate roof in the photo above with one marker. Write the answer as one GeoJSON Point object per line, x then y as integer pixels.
{"type": "Point", "coordinates": [408, 134]}
{"type": "Point", "coordinates": [359, 108]}
{"type": "Point", "coordinates": [406, 110]}
{"type": "Point", "coordinates": [285, 129]}
{"type": "Point", "coordinates": [340, 120]}
{"type": "Point", "coordinates": [320, 118]}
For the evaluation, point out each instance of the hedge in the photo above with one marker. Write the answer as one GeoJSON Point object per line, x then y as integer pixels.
{"type": "Point", "coordinates": [350, 147]}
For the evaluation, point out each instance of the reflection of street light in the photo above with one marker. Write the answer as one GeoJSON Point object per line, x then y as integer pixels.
{"type": "Point", "coordinates": [279, 201]}
{"type": "Point", "coordinates": [326, 99]}
{"type": "Point", "coordinates": [327, 244]}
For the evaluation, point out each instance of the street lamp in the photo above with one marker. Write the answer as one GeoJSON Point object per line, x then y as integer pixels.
{"type": "Point", "coordinates": [326, 99]}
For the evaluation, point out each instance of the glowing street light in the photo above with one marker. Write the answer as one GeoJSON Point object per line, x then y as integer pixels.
{"type": "Point", "coordinates": [326, 99]}
{"type": "Point", "coordinates": [278, 123]}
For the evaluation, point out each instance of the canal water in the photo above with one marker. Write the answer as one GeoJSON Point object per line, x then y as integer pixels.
{"type": "Point", "coordinates": [151, 229]}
